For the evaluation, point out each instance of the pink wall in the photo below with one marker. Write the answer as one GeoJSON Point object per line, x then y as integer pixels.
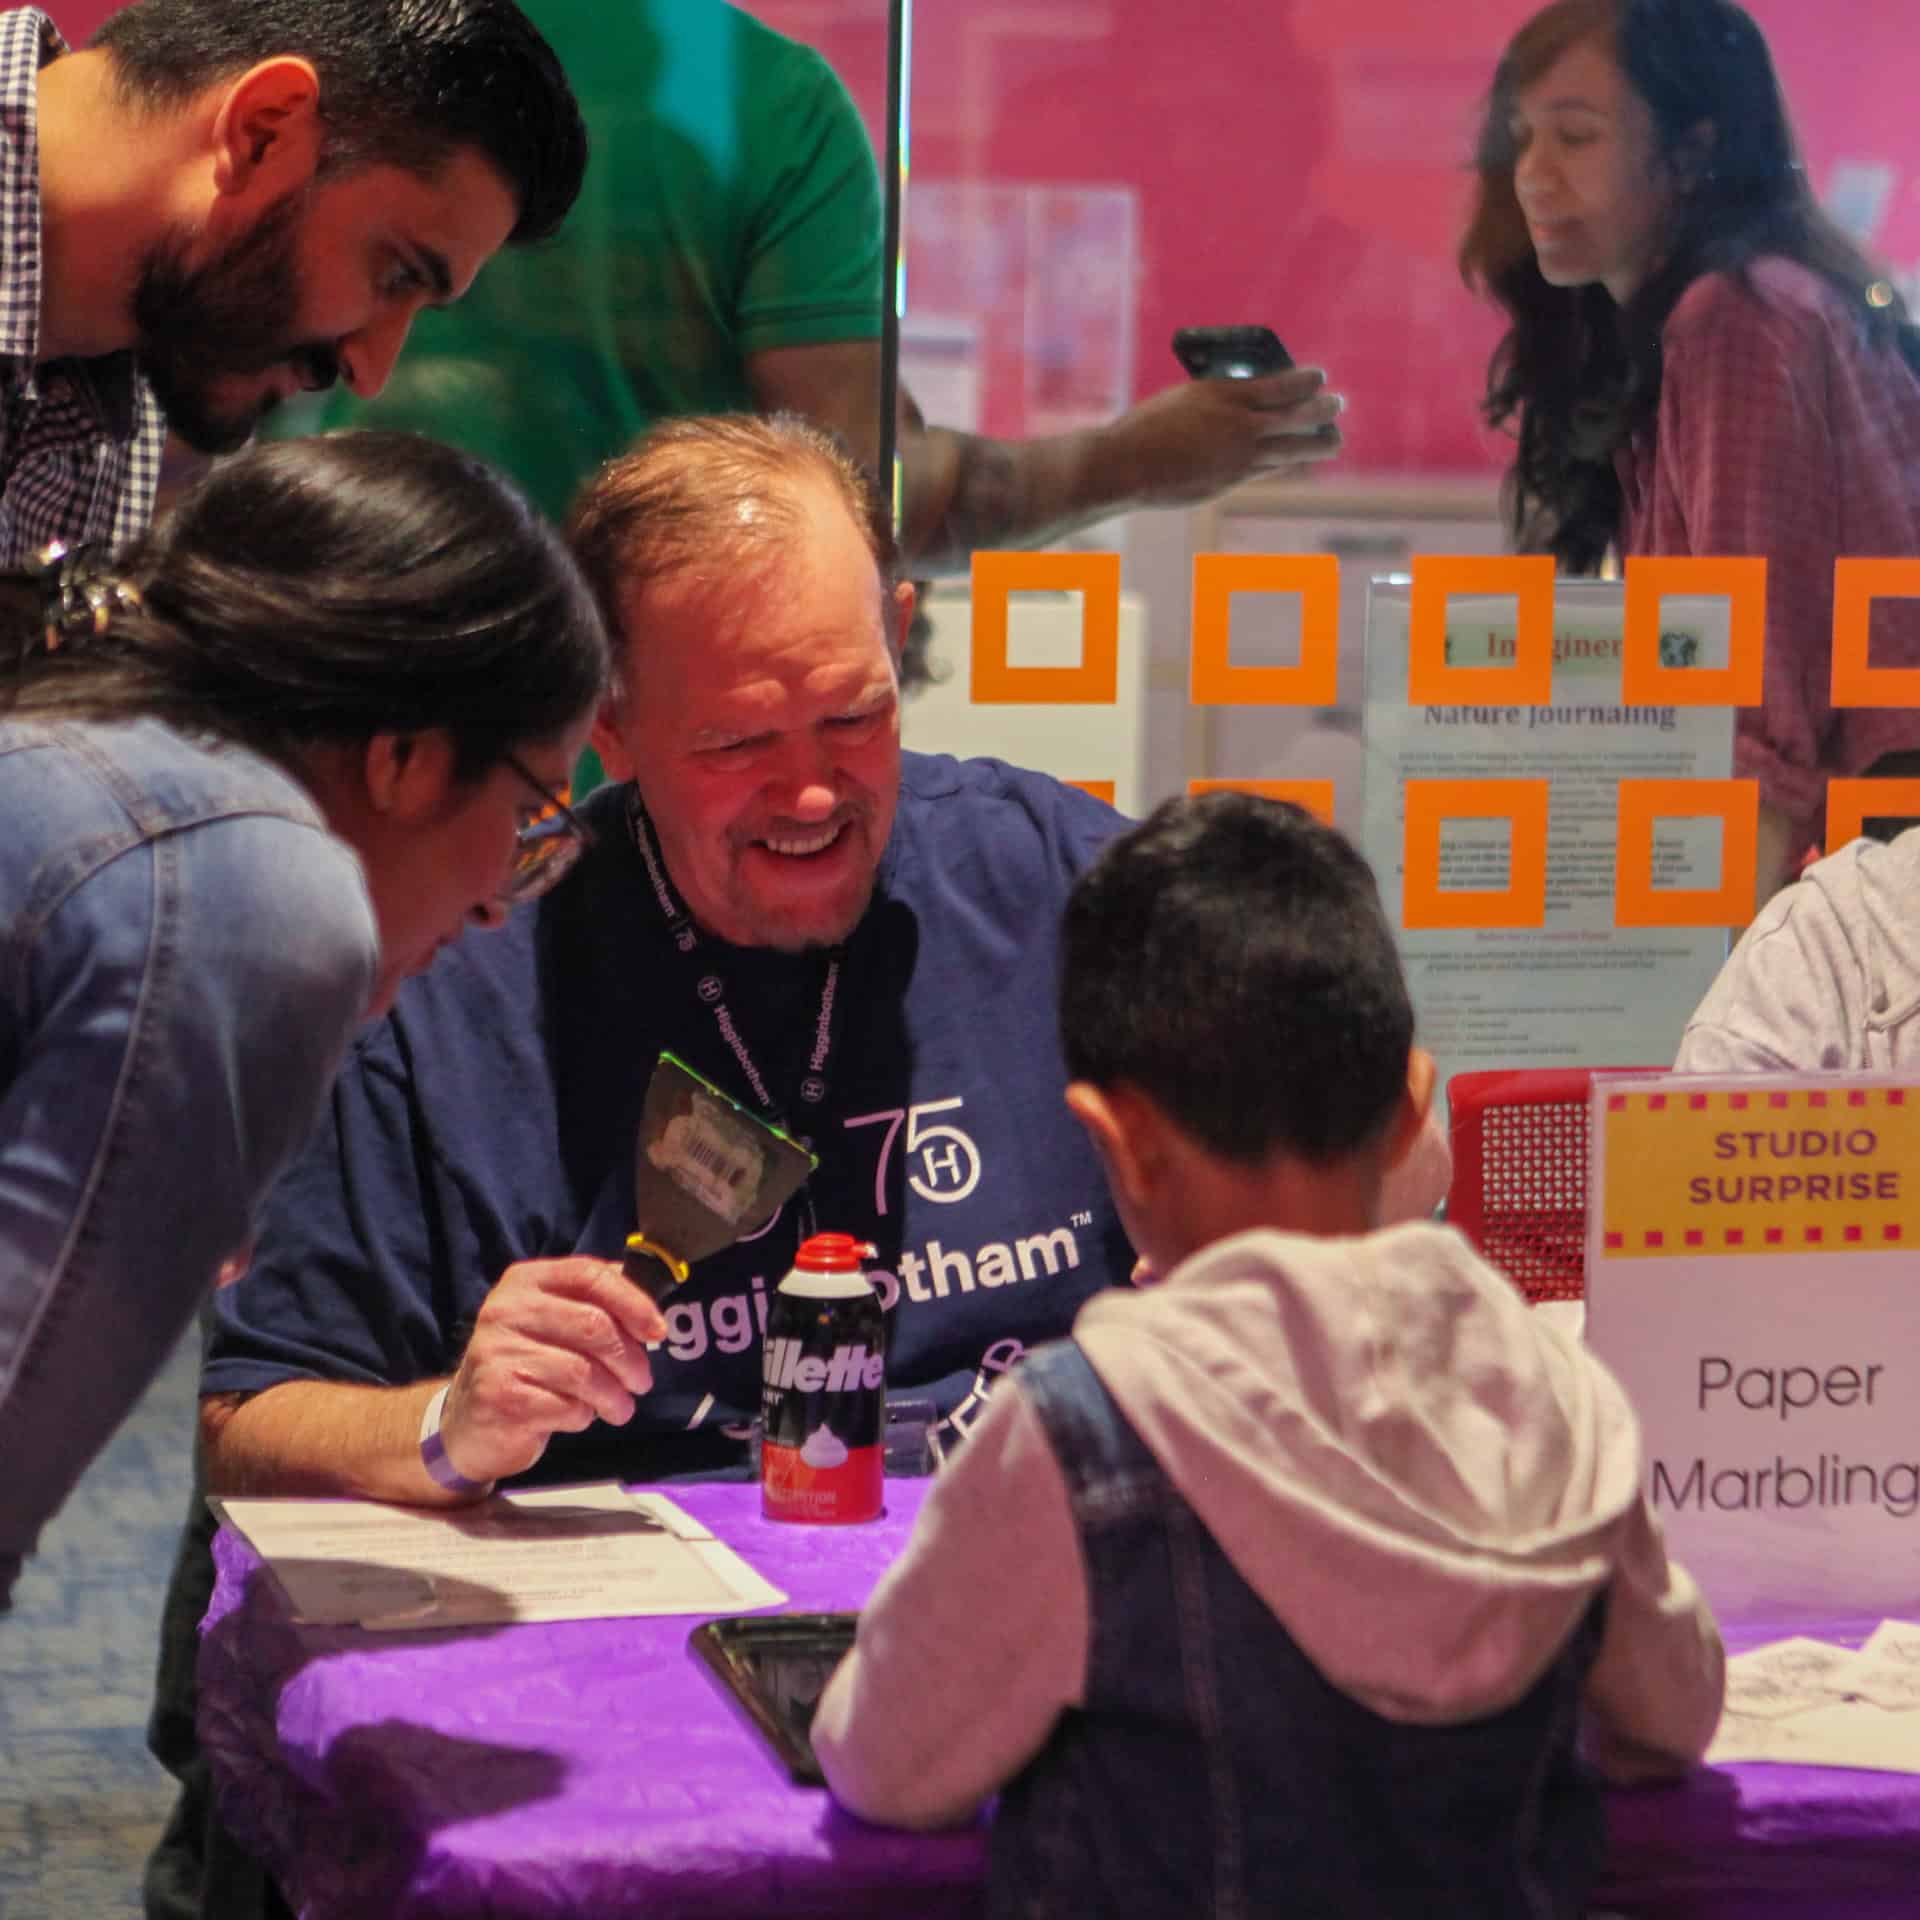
{"type": "Point", "coordinates": [78, 18]}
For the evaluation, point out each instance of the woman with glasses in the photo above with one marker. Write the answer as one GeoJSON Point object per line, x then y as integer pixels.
{"type": "Point", "coordinates": [316, 724]}
{"type": "Point", "coordinates": [1700, 361]}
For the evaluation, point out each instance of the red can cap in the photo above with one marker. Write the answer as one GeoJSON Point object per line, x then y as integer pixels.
{"type": "Point", "coordinates": [833, 1253]}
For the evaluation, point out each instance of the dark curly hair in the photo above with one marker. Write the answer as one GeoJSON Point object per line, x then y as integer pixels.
{"type": "Point", "coordinates": [1229, 958]}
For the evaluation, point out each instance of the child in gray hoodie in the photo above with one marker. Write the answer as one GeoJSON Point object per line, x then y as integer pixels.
{"type": "Point", "coordinates": [1310, 1577]}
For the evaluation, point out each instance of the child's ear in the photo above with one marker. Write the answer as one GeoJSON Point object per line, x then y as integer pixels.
{"type": "Point", "coordinates": [1419, 1163]}
{"type": "Point", "coordinates": [1114, 1121]}
{"type": "Point", "coordinates": [1416, 1102]}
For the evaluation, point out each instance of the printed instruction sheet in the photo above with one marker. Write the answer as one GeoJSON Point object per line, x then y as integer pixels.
{"type": "Point", "coordinates": [552, 1553]}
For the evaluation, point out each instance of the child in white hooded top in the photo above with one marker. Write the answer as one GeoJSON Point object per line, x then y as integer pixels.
{"type": "Point", "coordinates": [1424, 1492]}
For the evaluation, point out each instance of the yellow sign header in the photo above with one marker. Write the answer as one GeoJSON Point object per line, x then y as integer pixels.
{"type": "Point", "coordinates": [1805, 1170]}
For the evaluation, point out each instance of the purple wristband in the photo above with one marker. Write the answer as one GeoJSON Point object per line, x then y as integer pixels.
{"type": "Point", "coordinates": [433, 1452]}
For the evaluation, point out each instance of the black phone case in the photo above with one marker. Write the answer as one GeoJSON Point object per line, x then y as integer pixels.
{"type": "Point", "coordinates": [1203, 351]}
{"type": "Point", "coordinates": [776, 1666]}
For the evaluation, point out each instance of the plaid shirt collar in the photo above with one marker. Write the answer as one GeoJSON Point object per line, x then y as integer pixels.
{"type": "Point", "coordinates": [80, 440]}
{"type": "Point", "coordinates": [28, 41]}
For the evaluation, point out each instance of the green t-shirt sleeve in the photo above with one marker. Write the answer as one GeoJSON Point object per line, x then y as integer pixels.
{"type": "Point", "coordinates": [815, 267]}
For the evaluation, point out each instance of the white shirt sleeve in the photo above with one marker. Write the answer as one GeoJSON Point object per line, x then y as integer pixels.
{"type": "Point", "coordinates": [1707, 1048]}
{"type": "Point", "coordinates": [1794, 996]}
{"type": "Point", "coordinates": [1655, 1692]}
{"type": "Point", "coordinates": [974, 1640]}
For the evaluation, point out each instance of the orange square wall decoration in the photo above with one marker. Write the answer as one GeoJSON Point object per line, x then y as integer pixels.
{"type": "Point", "coordinates": [1644, 681]}
{"type": "Point", "coordinates": [1637, 902]}
{"type": "Point", "coordinates": [1425, 904]}
{"type": "Point", "coordinates": [1851, 803]}
{"type": "Point", "coordinates": [1438, 579]}
{"type": "Point", "coordinates": [1857, 682]}
{"type": "Point", "coordinates": [1095, 682]}
{"type": "Point", "coordinates": [1217, 577]}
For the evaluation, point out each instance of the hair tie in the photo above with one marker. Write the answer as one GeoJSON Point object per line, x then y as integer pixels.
{"type": "Point", "coordinates": [79, 591]}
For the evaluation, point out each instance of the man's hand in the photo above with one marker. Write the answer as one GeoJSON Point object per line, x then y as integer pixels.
{"type": "Point", "coordinates": [558, 1345]}
{"type": "Point", "coordinates": [1190, 442]}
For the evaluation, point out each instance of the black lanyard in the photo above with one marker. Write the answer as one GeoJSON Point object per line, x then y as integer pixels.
{"type": "Point", "coordinates": [711, 990]}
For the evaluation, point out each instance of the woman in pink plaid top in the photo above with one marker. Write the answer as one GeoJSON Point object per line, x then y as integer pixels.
{"type": "Point", "coordinates": [1700, 361]}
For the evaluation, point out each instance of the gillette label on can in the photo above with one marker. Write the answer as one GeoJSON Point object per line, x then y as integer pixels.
{"type": "Point", "coordinates": [823, 1405]}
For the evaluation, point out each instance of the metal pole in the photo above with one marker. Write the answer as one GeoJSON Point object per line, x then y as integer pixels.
{"type": "Point", "coordinates": [893, 301]}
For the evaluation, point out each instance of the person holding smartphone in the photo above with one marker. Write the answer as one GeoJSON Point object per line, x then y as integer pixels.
{"type": "Point", "coordinates": [1700, 361]}
{"type": "Point", "coordinates": [727, 256]}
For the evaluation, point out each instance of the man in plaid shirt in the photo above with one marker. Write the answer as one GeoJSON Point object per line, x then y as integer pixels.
{"type": "Point", "coordinates": [215, 206]}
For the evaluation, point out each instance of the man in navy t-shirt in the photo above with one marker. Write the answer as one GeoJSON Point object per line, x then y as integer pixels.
{"type": "Point", "coordinates": [856, 941]}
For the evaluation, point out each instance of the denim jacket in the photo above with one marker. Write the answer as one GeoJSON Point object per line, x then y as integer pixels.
{"type": "Point", "coordinates": [184, 953]}
{"type": "Point", "coordinates": [1272, 1791]}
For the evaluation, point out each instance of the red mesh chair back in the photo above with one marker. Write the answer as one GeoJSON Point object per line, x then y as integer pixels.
{"type": "Point", "coordinates": [1519, 1189]}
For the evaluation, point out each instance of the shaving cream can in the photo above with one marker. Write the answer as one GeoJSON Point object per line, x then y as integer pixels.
{"type": "Point", "coordinates": [823, 1405]}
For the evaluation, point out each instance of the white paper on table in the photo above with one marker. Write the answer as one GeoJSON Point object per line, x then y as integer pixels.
{"type": "Point", "coordinates": [1888, 1669]}
{"type": "Point", "coordinates": [553, 1553]}
{"type": "Point", "coordinates": [1809, 1703]}
{"type": "Point", "coordinates": [1789, 1676]}
{"type": "Point", "coordinates": [1849, 1733]}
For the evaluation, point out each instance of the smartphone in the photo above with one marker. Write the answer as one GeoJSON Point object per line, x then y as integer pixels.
{"type": "Point", "coordinates": [777, 1665]}
{"type": "Point", "coordinates": [1230, 353]}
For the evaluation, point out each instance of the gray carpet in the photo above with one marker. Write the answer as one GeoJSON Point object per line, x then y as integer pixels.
{"type": "Point", "coordinates": [80, 1800]}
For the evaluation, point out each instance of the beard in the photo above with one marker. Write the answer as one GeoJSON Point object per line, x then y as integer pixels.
{"type": "Point", "coordinates": [230, 317]}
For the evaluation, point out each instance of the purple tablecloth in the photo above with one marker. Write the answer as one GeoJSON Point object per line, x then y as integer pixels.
{"type": "Point", "coordinates": [594, 1768]}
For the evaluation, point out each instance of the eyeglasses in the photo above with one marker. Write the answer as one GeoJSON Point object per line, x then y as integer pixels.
{"type": "Point", "coordinates": [546, 846]}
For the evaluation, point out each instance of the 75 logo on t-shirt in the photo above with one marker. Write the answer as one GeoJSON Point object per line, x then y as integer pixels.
{"type": "Point", "coordinates": [942, 1162]}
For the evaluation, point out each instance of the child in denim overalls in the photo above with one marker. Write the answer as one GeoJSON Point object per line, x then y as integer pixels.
{"type": "Point", "coordinates": [1298, 1581]}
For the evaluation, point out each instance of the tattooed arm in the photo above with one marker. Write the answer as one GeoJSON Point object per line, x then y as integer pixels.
{"type": "Point", "coordinates": [964, 491]}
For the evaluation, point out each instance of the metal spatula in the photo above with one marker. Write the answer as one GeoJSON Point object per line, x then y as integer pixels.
{"type": "Point", "coordinates": [706, 1173]}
